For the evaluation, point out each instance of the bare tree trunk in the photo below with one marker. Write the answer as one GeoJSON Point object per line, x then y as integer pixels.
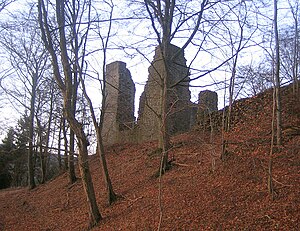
{"type": "Point", "coordinates": [66, 166]}
{"type": "Point", "coordinates": [46, 149]}
{"type": "Point", "coordinates": [59, 145]}
{"type": "Point", "coordinates": [71, 165]}
{"type": "Point", "coordinates": [231, 89]}
{"type": "Point", "coordinates": [163, 13]}
{"type": "Point", "coordinates": [295, 65]}
{"type": "Point", "coordinates": [112, 197]}
{"type": "Point", "coordinates": [88, 186]}
{"type": "Point", "coordinates": [31, 181]}
{"type": "Point", "coordinates": [270, 165]}
{"type": "Point", "coordinates": [41, 152]}
{"type": "Point", "coordinates": [74, 38]}
{"type": "Point", "coordinates": [277, 78]}
{"type": "Point", "coordinates": [223, 124]}
{"type": "Point", "coordinates": [164, 136]}
{"type": "Point", "coordinates": [276, 105]}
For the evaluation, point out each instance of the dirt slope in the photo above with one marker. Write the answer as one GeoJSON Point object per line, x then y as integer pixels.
{"type": "Point", "coordinates": [199, 193]}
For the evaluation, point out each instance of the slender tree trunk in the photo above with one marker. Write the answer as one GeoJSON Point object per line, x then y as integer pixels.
{"type": "Point", "coordinates": [41, 153]}
{"type": "Point", "coordinates": [95, 215]}
{"type": "Point", "coordinates": [112, 197]}
{"type": "Point", "coordinates": [74, 90]}
{"type": "Point", "coordinates": [231, 91]}
{"type": "Point", "coordinates": [46, 149]}
{"type": "Point", "coordinates": [71, 165]}
{"type": "Point", "coordinates": [59, 145]}
{"type": "Point", "coordinates": [276, 105]}
{"type": "Point", "coordinates": [163, 118]}
{"type": "Point", "coordinates": [270, 165]}
{"type": "Point", "coordinates": [277, 78]}
{"type": "Point", "coordinates": [31, 181]}
{"type": "Point", "coordinates": [70, 95]}
{"type": "Point", "coordinates": [296, 51]}
{"type": "Point", "coordinates": [224, 142]}
{"type": "Point", "coordinates": [66, 166]}
{"type": "Point", "coordinates": [295, 65]}
{"type": "Point", "coordinates": [164, 137]}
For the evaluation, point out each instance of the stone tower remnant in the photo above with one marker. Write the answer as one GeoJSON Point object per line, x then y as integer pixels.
{"type": "Point", "coordinates": [178, 97]}
{"type": "Point", "coordinates": [119, 109]}
{"type": "Point", "coordinates": [208, 103]}
{"type": "Point", "coordinates": [208, 100]}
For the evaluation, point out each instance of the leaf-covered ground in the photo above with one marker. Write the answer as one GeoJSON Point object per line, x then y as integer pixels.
{"type": "Point", "coordinates": [200, 192]}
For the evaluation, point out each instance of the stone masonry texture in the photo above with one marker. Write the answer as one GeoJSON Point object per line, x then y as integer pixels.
{"type": "Point", "coordinates": [178, 97]}
{"type": "Point", "coordinates": [119, 108]}
{"type": "Point", "coordinates": [208, 103]}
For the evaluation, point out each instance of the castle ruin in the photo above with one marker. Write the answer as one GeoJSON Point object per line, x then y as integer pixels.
{"type": "Point", "coordinates": [119, 124]}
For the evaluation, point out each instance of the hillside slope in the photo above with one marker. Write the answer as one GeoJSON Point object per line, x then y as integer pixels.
{"type": "Point", "coordinates": [199, 193]}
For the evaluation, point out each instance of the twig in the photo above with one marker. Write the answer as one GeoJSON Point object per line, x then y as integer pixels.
{"type": "Point", "coordinates": [134, 200]}
{"type": "Point", "coordinates": [179, 164]}
{"type": "Point", "coordinates": [160, 193]}
{"type": "Point", "coordinates": [67, 202]}
{"type": "Point", "coordinates": [282, 183]}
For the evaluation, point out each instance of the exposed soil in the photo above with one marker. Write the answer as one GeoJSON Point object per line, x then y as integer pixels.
{"type": "Point", "coordinates": [200, 192]}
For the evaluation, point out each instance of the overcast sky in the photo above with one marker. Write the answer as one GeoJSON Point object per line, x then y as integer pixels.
{"type": "Point", "coordinates": [138, 65]}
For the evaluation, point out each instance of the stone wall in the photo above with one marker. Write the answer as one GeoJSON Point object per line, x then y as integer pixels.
{"type": "Point", "coordinates": [208, 103]}
{"type": "Point", "coordinates": [208, 100]}
{"type": "Point", "coordinates": [119, 108]}
{"type": "Point", "coordinates": [178, 98]}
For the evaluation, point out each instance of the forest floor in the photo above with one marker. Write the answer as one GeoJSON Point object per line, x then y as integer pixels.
{"type": "Point", "coordinates": [200, 192]}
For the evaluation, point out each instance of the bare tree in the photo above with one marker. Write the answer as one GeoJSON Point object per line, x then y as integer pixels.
{"type": "Point", "coordinates": [98, 125]}
{"type": "Point", "coordinates": [47, 98]}
{"type": "Point", "coordinates": [253, 79]}
{"type": "Point", "coordinates": [289, 47]}
{"type": "Point", "coordinates": [168, 20]}
{"type": "Point", "coordinates": [277, 76]}
{"type": "Point", "coordinates": [66, 85]}
{"type": "Point", "coordinates": [276, 102]}
{"type": "Point", "coordinates": [162, 15]}
{"type": "Point", "coordinates": [28, 57]}
{"type": "Point", "coordinates": [238, 40]}
{"type": "Point", "coordinates": [295, 9]}
{"type": "Point", "coordinates": [74, 14]}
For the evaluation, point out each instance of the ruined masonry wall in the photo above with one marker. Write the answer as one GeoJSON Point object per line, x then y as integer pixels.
{"type": "Point", "coordinates": [208, 103]}
{"type": "Point", "coordinates": [208, 100]}
{"type": "Point", "coordinates": [119, 108]}
{"type": "Point", "coordinates": [178, 98]}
